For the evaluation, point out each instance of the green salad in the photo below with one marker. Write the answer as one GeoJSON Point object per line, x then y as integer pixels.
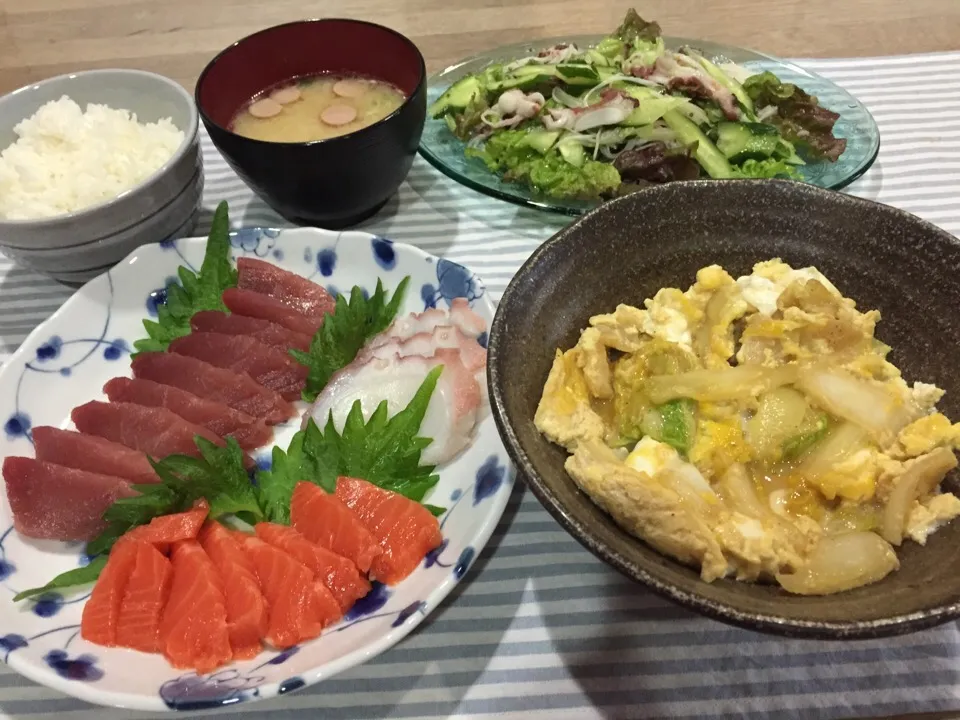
{"type": "Point", "coordinates": [593, 123]}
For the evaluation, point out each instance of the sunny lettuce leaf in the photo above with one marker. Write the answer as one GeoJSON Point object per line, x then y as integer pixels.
{"type": "Point", "coordinates": [800, 117]}
{"type": "Point", "coordinates": [768, 168]}
{"type": "Point", "coordinates": [507, 152]}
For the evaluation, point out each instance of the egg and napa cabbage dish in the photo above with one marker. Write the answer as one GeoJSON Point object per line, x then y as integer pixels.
{"type": "Point", "coordinates": [753, 428]}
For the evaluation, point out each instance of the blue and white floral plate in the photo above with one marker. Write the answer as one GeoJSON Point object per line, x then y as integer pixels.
{"type": "Point", "coordinates": [66, 361]}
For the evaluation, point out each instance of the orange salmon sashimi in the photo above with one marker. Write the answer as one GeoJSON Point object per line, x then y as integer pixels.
{"type": "Point", "coordinates": [339, 575]}
{"type": "Point", "coordinates": [299, 607]}
{"type": "Point", "coordinates": [193, 630]}
{"type": "Point", "coordinates": [247, 612]}
{"type": "Point", "coordinates": [404, 528]}
{"type": "Point", "coordinates": [144, 598]}
{"type": "Point", "coordinates": [102, 609]}
{"type": "Point", "coordinates": [325, 521]}
{"type": "Point", "coordinates": [167, 529]}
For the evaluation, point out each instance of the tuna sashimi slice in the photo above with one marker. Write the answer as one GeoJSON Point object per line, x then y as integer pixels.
{"type": "Point", "coordinates": [155, 431]}
{"type": "Point", "coordinates": [257, 305]}
{"type": "Point", "coordinates": [240, 392]}
{"type": "Point", "coordinates": [451, 415]}
{"type": "Point", "coordinates": [101, 612]}
{"type": "Point", "coordinates": [193, 629]}
{"type": "Point", "coordinates": [460, 315]}
{"type": "Point", "coordinates": [289, 288]}
{"type": "Point", "coordinates": [165, 530]}
{"type": "Point", "coordinates": [53, 502]}
{"type": "Point", "coordinates": [270, 367]}
{"type": "Point", "coordinates": [91, 453]}
{"type": "Point", "coordinates": [265, 331]}
{"type": "Point", "coordinates": [299, 607]}
{"type": "Point", "coordinates": [144, 598]}
{"type": "Point", "coordinates": [220, 419]}
{"type": "Point", "coordinates": [338, 574]}
{"type": "Point", "coordinates": [325, 521]}
{"type": "Point", "coordinates": [405, 529]}
{"type": "Point", "coordinates": [247, 613]}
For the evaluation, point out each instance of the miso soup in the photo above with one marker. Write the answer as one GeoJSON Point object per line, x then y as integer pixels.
{"type": "Point", "coordinates": [316, 108]}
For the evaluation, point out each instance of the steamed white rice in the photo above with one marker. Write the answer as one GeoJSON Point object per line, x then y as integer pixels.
{"type": "Point", "coordinates": [67, 159]}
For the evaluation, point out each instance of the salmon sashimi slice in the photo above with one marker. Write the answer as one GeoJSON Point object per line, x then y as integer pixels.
{"type": "Point", "coordinates": [299, 607]}
{"type": "Point", "coordinates": [289, 288]}
{"type": "Point", "coordinates": [270, 367]}
{"type": "Point", "coordinates": [145, 595]}
{"type": "Point", "coordinates": [92, 453]}
{"type": "Point", "coordinates": [269, 333]}
{"type": "Point", "coordinates": [405, 529]}
{"type": "Point", "coordinates": [264, 307]}
{"type": "Point", "coordinates": [220, 419]}
{"type": "Point", "coordinates": [193, 629]}
{"type": "Point", "coordinates": [165, 530]}
{"type": "Point", "coordinates": [153, 430]}
{"type": "Point", "coordinates": [325, 521]}
{"type": "Point", "coordinates": [101, 612]}
{"type": "Point", "coordinates": [240, 392]}
{"type": "Point", "coordinates": [247, 613]}
{"type": "Point", "coordinates": [53, 502]}
{"type": "Point", "coordinates": [338, 574]}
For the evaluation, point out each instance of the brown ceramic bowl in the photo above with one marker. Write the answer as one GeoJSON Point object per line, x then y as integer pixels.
{"type": "Point", "coordinates": [624, 252]}
{"type": "Point", "coordinates": [336, 182]}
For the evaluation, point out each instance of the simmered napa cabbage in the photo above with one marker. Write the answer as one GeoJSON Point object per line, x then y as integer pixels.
{"type": "Point", "coordinates": [754, 427]}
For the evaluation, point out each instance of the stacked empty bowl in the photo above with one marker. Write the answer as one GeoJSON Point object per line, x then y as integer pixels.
{"type": "Point", "coordinates": [80, 243]}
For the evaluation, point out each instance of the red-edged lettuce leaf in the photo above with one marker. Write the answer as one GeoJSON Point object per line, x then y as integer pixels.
{"type": "Point", "coordinates": [800, 117]}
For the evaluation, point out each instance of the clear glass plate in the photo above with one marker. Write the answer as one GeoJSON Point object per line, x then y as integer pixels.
{"type": "Point", "coordinates": [445, 152]}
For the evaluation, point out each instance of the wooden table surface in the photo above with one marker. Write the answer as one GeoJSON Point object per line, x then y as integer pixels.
{"type": "Point", "coordinates": [41, 38]}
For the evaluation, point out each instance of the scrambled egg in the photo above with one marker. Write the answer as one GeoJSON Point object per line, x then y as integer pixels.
{"type": "Point", "coordinates": [746, 426]}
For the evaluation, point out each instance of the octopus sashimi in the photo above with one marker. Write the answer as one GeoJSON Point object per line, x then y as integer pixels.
{"type": "Point", "coordinates": [459, 315]}
{"type": "Point", "coordinates": [451, 415]}
{"type": "Point", "coordinates": [450, 337]}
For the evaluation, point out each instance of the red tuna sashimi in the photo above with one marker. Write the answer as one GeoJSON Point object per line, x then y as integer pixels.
{"type": "Point", "coordinates": [91, 453]}
{"type": "Point", "coordinates": [53, 502]}
{"type": "Point", "coordinates": [247, 612]}
{"type": "Point", "coordinates": [338, 574]}
{"type": "Point", "coordinates": [406, 529]}
{"type": "Point", "coordinates": [325, 521]}
{"type": "Point", "coordinates": [269, 333]}
{"type": "Point", "coordinates": [299, 607]}
{"type": "Point", "coordinates": [289, 288]}
{"type": "Point", "coordinates": [270, 367]}
{"type": "Point", "coordinates": [101, 612]}
{"type": "Point", "coordinates": [165, 530]}
{"type": "Point", "coordinates": [240, 392]}
{"type": "Point", "coordinates": [145, 595]}
{"type": "Point", "coordinates": [155, 431]}
{"type": "Point", "coordinates": [193, 629]}
{"type": "Point", "coordinates": [220, 419]}
{"type": "Point", "coordinates": [264, 307]}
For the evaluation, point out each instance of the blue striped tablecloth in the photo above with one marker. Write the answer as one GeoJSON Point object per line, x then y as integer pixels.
{"type": "Point", "coordinates": [541, 629]}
